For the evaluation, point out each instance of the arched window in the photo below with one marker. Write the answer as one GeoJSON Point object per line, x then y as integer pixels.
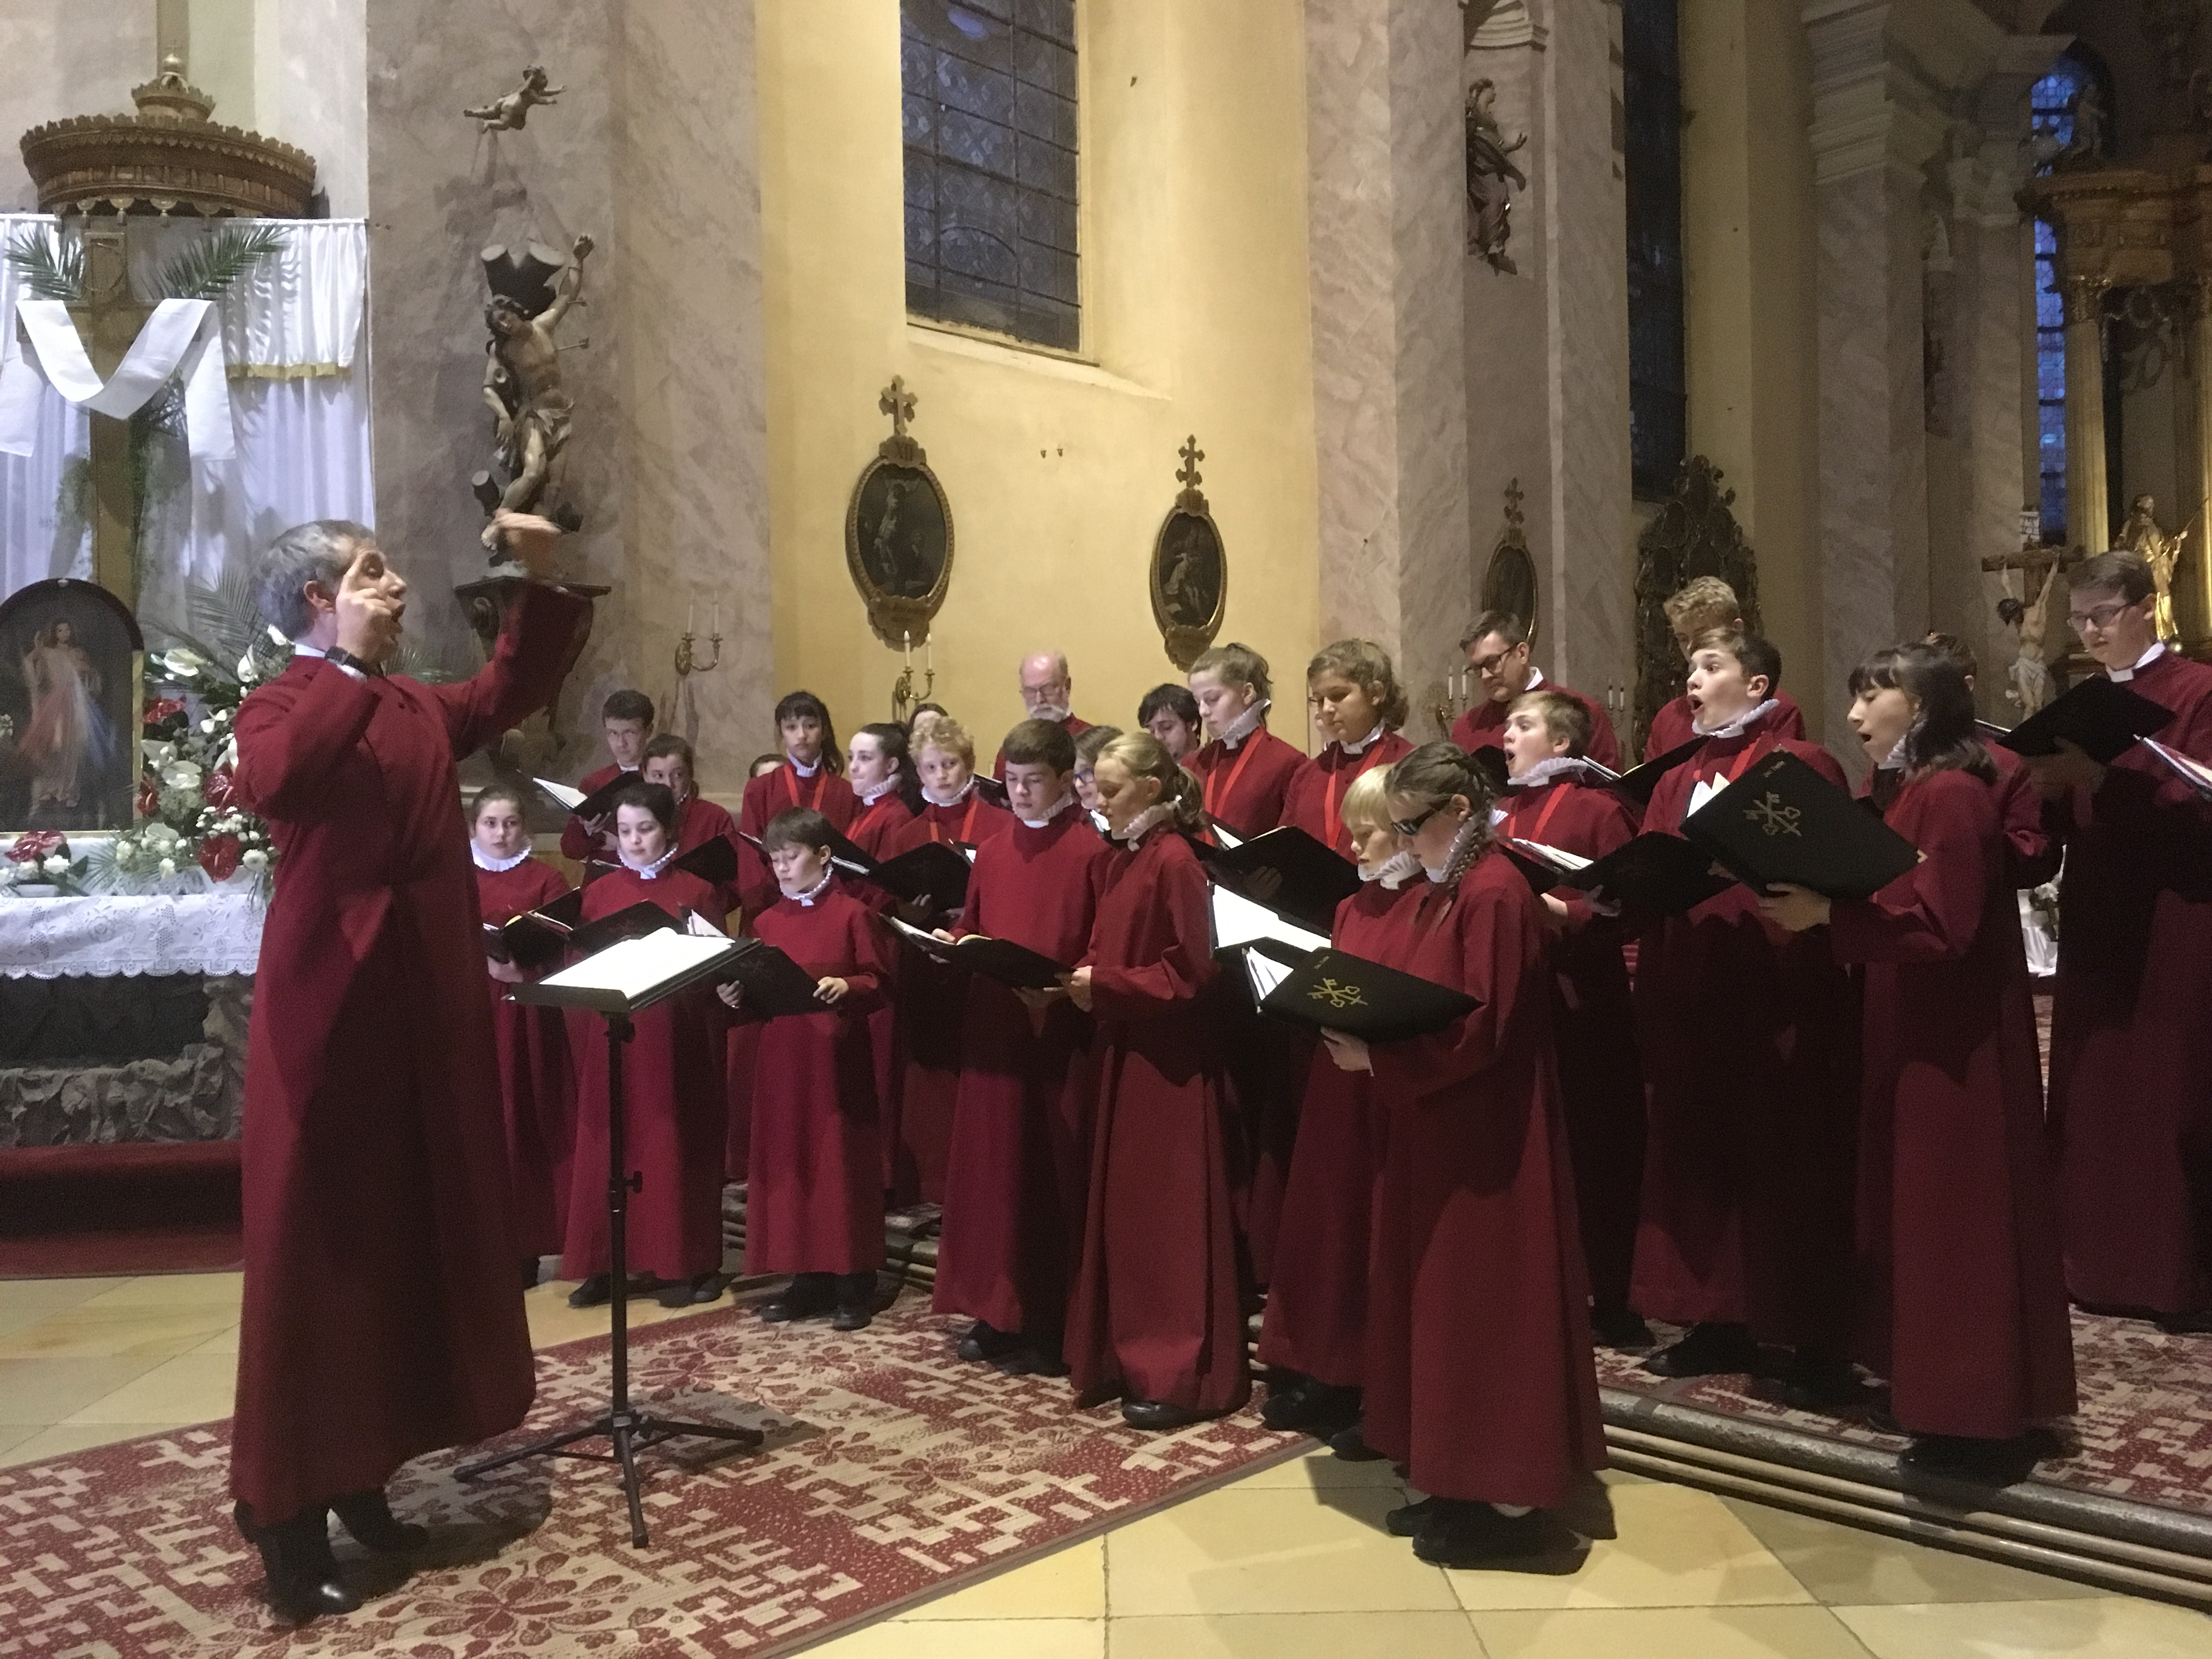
{"type": "Point", "coordinates": [2051, 114]}
{"type": "Point", "coordinates": [989, 116]}
{"type": "Point", "coordinates": [1658, 396]}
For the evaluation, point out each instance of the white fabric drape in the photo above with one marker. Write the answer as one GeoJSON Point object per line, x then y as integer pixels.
{"type": "Point", "coordinates": [295, 343]}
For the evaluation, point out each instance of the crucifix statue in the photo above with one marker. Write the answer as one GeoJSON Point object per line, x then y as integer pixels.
{"type": "Point", "coordinates": [108, 317]}
{"type": "Point", "coordinates": [2028, 678]}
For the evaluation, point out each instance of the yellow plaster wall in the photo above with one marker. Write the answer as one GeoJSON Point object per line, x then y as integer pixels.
{"type": "Point", "coordinates": [1194, 248]}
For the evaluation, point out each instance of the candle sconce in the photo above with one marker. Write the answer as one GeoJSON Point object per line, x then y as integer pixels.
{"type": "Point", "coordinates": [904, 700]}
{"type": "Point", "coordinates": [1458, 697]}
{"type": "Point", "coordinates": [687, 656]}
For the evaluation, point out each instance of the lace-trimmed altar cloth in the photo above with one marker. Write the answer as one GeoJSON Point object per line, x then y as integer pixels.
{"type": "Point", "coordinates": [208, 933]}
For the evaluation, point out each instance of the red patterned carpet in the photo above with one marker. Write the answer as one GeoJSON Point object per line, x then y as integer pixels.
{"type": "Point", "coordinates": [893, 1472]}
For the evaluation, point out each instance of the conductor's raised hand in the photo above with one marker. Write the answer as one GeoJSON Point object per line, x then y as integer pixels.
{"type": "Point", "coordinates": [370, 605]}
{"type": "Point", "coordinates": [527, 539]}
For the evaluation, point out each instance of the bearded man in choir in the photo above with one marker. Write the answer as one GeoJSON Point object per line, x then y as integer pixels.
{"type": "Point", "coordinates": [1019, 1172]}
{"type": "Point", "coordinates": [2130, 1047]}
{"type": "Point", "coordinates": [626, 718]}
{"type": "Point", "coordinates": [1496, 645]}
{"type": "Point", "coordinates": [382, 1319]}
{"type": "Point", "coordinates": [1047, 694]}
{"type": "Point", "coordinates": [1698, 607]}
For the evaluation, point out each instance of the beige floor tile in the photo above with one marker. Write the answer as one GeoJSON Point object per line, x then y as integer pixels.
{"type": "Point", "coordinates": [1849, 1566]}
{"type": "Point", "coordinates": [1319, 1471]}
{"type": "Point", "coordinates": [38, 1393]}
{"type": "Point", "coordinates": [1668, 1633]}
{"type": "Point", "coordinates": [2109, 1627]}
{"type": "Point", "coordinates": [221, 1342]}
{"type": "Point", "coordinates": [1281, 1551]}
{"type": "Point", "coordinates": [15, 1434]}
{"type": "Point", "coordinates": [66, 1437]}
{"type": "Point", "coordinates": [1069, 1584]}
{"type": "Point", "coordinates": [174, 1291]}
{"type": "Point", "coordinates": [1298, 1635]}
{"type": "Point", "coordinates": [997, 1639]}
{"type": "Point", "coordinates": [1677, 1548]}
{"type": "Point", "coordinates": [194, 1387]}
{"type": "Point", "coordinates": [27, 1301]}
{"type": "Point", "coordinates": [142, 1333]}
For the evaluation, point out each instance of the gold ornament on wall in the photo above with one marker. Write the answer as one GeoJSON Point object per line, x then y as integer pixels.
{"type": "Point", "coordinates": [898, 532]}
{"type": "Point", "coordinates": [1190, 567]}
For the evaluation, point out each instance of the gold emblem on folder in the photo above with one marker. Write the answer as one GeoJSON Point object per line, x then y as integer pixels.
{"type": "Point", "coordinates": [1338, 995]}
{"type": "Point", "coordinates": [1771, 815]}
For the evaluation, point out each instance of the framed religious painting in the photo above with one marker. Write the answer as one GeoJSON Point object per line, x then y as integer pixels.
{"type": "Point", "coordinates": [71, 665]}
{"type": "Point", "coordinates": [898, 532]}
{"type": "Point", "coordinates": [1190, 569]}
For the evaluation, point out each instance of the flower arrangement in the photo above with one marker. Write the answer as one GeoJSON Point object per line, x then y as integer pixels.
{"type": "Point", "coordinates": [40, 857]}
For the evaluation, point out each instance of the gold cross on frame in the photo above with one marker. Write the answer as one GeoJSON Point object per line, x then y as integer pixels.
{"type": "Point", "coordinates": [897, 403]}
{"type": "Point", "coordinates": [1187, 474]}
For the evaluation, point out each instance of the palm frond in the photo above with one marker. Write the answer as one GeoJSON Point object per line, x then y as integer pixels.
{"type": "Point", "coordinates": [52, 267]}
{"type": "Point", "coordinates": [206, 269]}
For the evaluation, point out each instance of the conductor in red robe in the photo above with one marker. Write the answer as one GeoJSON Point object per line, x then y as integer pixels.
{"type": "Point", "coordinates": [382, 1319]}
{"type": "Point", "coordinates": [2130, 1046]}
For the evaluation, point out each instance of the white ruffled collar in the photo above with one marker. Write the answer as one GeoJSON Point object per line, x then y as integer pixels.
{"type": "Point", "coordinates": [495, 864]}
{"type": "Point", "coordinates": [1394, 872]}
{"type": "Point", "coordinates": [959, 795]}
{"type": "Point", "coordinates": [793, 762]}
{"type": "Point", "coordinates": [1474, 826]}
{"type": "Point", "coordinates": [807, 898]}
{"type": "Point", "coordinates": [1544, 771]}
{"type": "Point", "coordinates": [1050, 812]}
{"type": "Point", "coordinates": [1245, 724]}
{"type": "Point", "coordinates": [872, 796]}
{"type": "Point", "coordinates": [1742, 723]}
{"type": "Point", "coordinates": [1141, 825]}
{"type": "Point", "coordinates": [647, 871]}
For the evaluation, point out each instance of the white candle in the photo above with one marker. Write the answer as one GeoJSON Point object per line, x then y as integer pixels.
{"type": "Point", "coordinates": [691, 619]}
{"type": "Point", "coordinates": [906, 645]}
{"type": "Point", "coordinates": [718, 619]}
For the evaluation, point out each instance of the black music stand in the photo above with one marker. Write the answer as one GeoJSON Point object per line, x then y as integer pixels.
{"type": "Point", "coordinates": [626, 1429]}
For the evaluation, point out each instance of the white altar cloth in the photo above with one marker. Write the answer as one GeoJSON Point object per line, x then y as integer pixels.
{"type": "Point", "coordinates": [211, 934]}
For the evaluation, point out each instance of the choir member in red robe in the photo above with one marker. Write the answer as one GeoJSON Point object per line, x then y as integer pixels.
{"type": "Point", "coordinates": [933, 998]}
{"type": "Point", "coordinates": [674, 1115]}
{"type": "Point", "coordinates": [1157, 1316]}
{"type": "Point", "coordinates": [1701, 605]}
{"type": "Point", "coordinates": [2130, 1044]}
{"type": "Point", "coordinates": [2035, 851]}
{"type": "Point", "coordinates": [814, 1205]}
{"type": "Point", "coordinates": [1495, 646]}
{"type": "Point", "coordinates": [1359, 705]}
{"type": "Point", "coordinates": [886, 787]}
{"type": "Point", "coordinates": [1314, 1335]}
{"type": "Point", "coordinates": [809, 777]}
{"type": "Point", "coordinates": [1749, 1037]}
{"type": "Point", "coordinates": [626, 717]}
{"type": "Point", "coordinates": [1018, 1176]}
{"type": "Point", "coordinates": [745, 1037]}
{"type": "Point", "coordinates": [1170, 713]}
{"type": "Point", "coordinates": [1553, 799]}
{"type": "Point", "coordinates": [1090, 744]}
{"type": "Point", "coordinates": [1246, 769]}
{"type": "Point", "coordinates": [1047, 694]}
{"type": "Point", "coordinates": [537, 1084]}
{"type": "Point", "coordinates": [1478, 1374]}
{"type": "Point", "coordinates": [381, 1316]}
{"type": "Point", "coordinates": [1962, 1303]}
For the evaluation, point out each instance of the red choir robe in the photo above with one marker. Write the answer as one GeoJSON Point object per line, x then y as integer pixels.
{"type": "Point", "coordinates": [537, 1082]}
{"type": "Point", "coordinates": [1316, 1319]}
{"type": "Point", "coordinates": [1478, 1373]}
{"type": "Point", "coordinates": [1483, 726]}
{"type": "Point", "coordinates": [1157, 1313]}
{"type": "Point", "coordinates": [1749, 1037]}
{"type": "Point", "coordinates": [673, 1112]}
{"type": "Point", "coordinates": [1593, 1023]}
{"type": "Point", "coordinates": [1962, 1303]}
{"type": "Point", "coordinates": [1075, 726]}
{"type": "Point", "coordinates": [578, 844]}
{"type": "Point", "coordinates": [874, 824]}
{"type": "Point", "coordinates": [382, 1318]}
{"type": "Point", "coordinates": [814, 1203]}
{"type": "Point", "coordinates": [1018, 1178]}
{"type": "Point", "coordinates": [1673, 725]}
{"type": "Point", "coordinates": [1245, 785]}
{"type": "Point", "coordinates": [932, 1003]}
{"type": "Point", "coordinates": [2035, 852]}
{"type": "Point", "coordinates": [779, 792]}
{"type": "Point", "coordinates": [2130, 1044]}
{"type": "Point", "coordinates": [1313, 800]}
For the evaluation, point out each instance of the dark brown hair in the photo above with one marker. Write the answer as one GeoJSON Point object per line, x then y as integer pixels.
{"type": "Point", "coordinates": [2125, 574]}
{"type": "Point", "coordinates": [1431, 776]}
{"type": "Point", "coordinates": [665, 744]}
{"type": "Point", "coordinates": [627, 705]}
{"type": "Point", "coordinates": [1563, 716]}
{"type": "Point", "coordinates": [796, 826]}
{"type": "Point", "coordinates": [794, 705]}
{"type": "Point", "coordinates": [655, 798]}
{"type": "Point", "coordinates": [1235, 663]}
{"type": "Point", "coordinates": [1513, 630]}
{"type": "Point", "coordinates": [1755, 656]}
{"type": "Point", "coordinates": [1942, 737]}
{"type": "Point", "coordinates": [1040, 743]}
{"type": "Point", "coordinates": [1367, 665]}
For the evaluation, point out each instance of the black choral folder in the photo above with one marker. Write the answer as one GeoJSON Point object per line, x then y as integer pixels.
{"type": "Point", "coordinates": [539, 936]}
{"type": "Point", "coordinates": [2100, 716]}
{"type": "Point", "coordinates": [1656, 873]}
{"type": "Point", "coordinates": [714, 861]}
{"type": "Point", "coordinates": [1332, 990]}
{"type": "Point", "coordinates": [1783, 822]}
{"type": "Point", "coordinates": [1001, 959]}
{"type": "Point", "coordinates": [1635, 785]}
{"type": "Point", "coordinates": [599, 802]}
{"type": "Point", "coordinates": [1288, 872]}
{"type": "Point", "coordinates": [769, 983]}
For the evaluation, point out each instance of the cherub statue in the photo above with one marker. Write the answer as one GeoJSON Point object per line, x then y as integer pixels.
{"type": "Point", "coordinates": [2160, 552]}
{"type": "Point", "coordinates": [522, 387]}
{"type": "Point", "coordinates": [2028, 679]}
{"type": "Point", "coordinates": [1491, 178]}
{"type": "Point", "coordinates": [512, 113]}
{"type": "Point", "coordinates": [2087, 147]}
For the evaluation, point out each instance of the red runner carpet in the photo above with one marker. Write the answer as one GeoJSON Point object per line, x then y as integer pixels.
{"type": "Point", "coordinates": [893, 1472]}
{"type": "Point", "coordinates": [129, 1208]}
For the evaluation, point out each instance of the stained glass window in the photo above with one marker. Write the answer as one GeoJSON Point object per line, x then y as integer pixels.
{"type": "Point", "coordinates": [990, 129]}
{"type": "Point", "coordinates": [1658, 400]}
{"type": "Point", "coordinates": [2050, 106]}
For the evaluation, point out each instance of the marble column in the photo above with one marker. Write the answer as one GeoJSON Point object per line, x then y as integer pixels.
{"type": "Point", "coordinates": [2089, 507]}
{"type": "Point", "coordinates": [2193, 576]}
{"type": "Point", "coordinates": [1387, 227]}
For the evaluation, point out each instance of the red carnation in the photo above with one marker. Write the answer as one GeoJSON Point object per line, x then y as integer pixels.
{"type": "Point", "coordinates": [217, 788]}
{"type": "Point", "coordinates": [33, 845]}
{"type": "Point", "coordinates": [162, 709]}
{"type": "Point", "coordinates": [219, 856]}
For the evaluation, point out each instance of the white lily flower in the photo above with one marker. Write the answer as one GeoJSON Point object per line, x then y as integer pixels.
{"type": "Point", "coordinates": [160, 835]}
{"type": "Point", "coordinates": [182, 775]}
{"type": "Point", "coordinates": [56, 865]}
{"type": "Point", "coordinates": [253, 858]}
{"type": "Point", "coordinates": [168, 866]}
{"type": "Point", "coordinates": [158, 754]}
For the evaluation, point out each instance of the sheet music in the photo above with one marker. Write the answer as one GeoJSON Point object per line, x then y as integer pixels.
{"type": "Point", "coordinates": [1237, 920]}
{"type": "Point", "coordinates": [1705, 789]}
{"type": "Point", "coordinates": [699, 927]}
{"type": "Point", "coordinates": [930, 945]}
{"type": "Point", "coordinates": [1226, 836]}
{"type": "Point", "coordinates": [571, 799]}
{"type": "Point", "coordinates": [635, 967]}
{"type": "Point", "coordinates": [1266, 973]}
{"type": "Point", "coordinates": [2194, 773]}
{"type": "Point", "coordinates": [1558, 857]}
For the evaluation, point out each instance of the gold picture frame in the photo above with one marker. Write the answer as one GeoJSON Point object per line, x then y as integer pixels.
{"type": "Point", "coordinates": [898, 532]}
{"type": "Point", "coordinates": [1189, 573]}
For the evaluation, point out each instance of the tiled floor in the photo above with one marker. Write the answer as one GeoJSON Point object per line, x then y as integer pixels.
{"type": "Point", "coordinates": [1288, 1564]}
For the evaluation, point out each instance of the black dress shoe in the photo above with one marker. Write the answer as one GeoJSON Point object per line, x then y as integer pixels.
{"type": "Point", "coordinates": [1408, 1521]}
{"type": "Point", "coordinates": [1285, 1387]}
{"type": "Point", "coordinates": [594, 1292]}
{"type": "Point", "coordinates": [1707, 1351]}
{"type": "Point", "coordinates": [1616, 1325]}
{"type": "Point", "coordinates": [807, 1295]}
{"type": "Point", "coordinates": [1159, 1414]}
{"type": "Point", "coordinates": [2185, 1324]}
{"type": "Point", "coordinates": [1964, 1457]}
{"type": "Point", "coordinates": [856, 1301]}
{"type": "Point", "coordinates": [1461, 1534]}
{"type": "Point", "coordinates": [1815, 1381]}
{"type": "Point", "coordinates": [1323, 1411]}
{"type": "Point", "coordinates": [986, 1343]}
{"type": "Point", "coordinates": [685, 1292]}
{"type": "Point", "coordinates": [1351, 1446]}
{"type": "Point", "coordinates": [295, 1555]}
{"type": "Point", "coordinates": [530, 1272]}
{"type": "Point", "coordinates": [1036, 1357]}
{"type": "Point", "coordinates": [367, 1515]}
